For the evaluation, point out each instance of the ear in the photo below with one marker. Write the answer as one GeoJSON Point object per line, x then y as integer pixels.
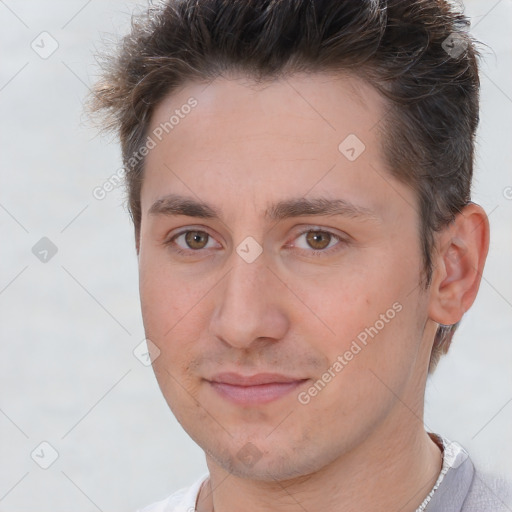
{"type": "Point", "coordinates": [459, 258]}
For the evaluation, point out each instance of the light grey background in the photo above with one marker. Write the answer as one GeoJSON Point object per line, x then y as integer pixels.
{"type": "Point", "coordinates": [69, 326]}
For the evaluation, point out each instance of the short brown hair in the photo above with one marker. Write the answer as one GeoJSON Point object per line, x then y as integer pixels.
{"type": "Point", "coordinates": [416, 53]}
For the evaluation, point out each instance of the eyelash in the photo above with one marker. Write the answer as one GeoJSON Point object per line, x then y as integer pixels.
{"type": "Point", "coordinates": [322, 252]}
{"type": "Point", "coordinates": [312, 252]}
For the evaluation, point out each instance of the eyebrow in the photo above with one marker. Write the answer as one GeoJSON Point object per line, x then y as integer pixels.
{"type": "Point", "coordinates": [174, 204]}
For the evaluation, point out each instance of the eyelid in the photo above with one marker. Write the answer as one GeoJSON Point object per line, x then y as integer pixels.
{"type": "Point", "coordinates": [169, 240]}
{"type": "Point", "coordinates": [305, 228]}
{"type": "Point", "coordinates": [341, 238]}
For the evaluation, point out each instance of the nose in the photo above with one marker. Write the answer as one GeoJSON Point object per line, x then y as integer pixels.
{"type": "Point", "coordinates": [251, 305]}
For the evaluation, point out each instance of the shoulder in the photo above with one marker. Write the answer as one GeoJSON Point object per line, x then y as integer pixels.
{"type": "Point", "coordinates": [488, 492]}
{"type": "Point", "coordinates": [182, 500]}
{"type": "Point", "coordinates": [463, 486]}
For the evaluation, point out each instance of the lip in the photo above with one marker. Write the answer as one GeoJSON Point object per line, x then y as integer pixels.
{"type": "Point", "coordinates": [255, 389]}
{"type": "Point", "coordinates": [236, 379]}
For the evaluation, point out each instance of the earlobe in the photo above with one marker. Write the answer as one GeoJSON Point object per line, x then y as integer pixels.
{"type": "Point", "coordinates": [461, 251]}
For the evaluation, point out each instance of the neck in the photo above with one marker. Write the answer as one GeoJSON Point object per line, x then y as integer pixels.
{"type": "Point", "coordinates": [398, 471]}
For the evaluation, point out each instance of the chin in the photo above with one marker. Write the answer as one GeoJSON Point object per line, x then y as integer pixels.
{"type": "Point", "coordinates": [275, 463]}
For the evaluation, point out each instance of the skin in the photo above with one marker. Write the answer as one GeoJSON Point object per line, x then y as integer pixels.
{"type": "Point", "coordinates": [242, 148]}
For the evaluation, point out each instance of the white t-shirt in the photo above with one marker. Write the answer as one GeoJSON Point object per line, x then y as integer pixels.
{"type": "Point", "coordinates": [459, 488]}
{"type": "Point", "coordinates": [182, 500]}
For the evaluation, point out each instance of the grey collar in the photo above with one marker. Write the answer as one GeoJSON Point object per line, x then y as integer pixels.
{"type": "Point", "coordinates": [454, 481]}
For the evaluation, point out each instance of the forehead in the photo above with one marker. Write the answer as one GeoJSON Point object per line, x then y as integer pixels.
{"type": "Point", "coordinates": [242, 138]}
{"type": "Point", "coordinates": [334, 102]}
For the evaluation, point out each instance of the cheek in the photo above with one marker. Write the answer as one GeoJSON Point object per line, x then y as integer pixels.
{"type": "Point", "coordinates": [365, 310]}
{"type": "Point", "coordinates": [170, 314]}
{"type": "Point", "coordinates": [373, 351]}
{"type": "Point", "coordinates": [164, 314]}
{"type": "Point", "coordinates": [168, 295]}
{"type": "Point", "coordinates": [342, 301]}
{"type": "Point", "coordinates": [175, 312]}
{"type": "Point", "coordinates": [178, 388]}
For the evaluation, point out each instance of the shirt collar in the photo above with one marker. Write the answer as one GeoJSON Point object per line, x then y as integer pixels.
{"type": "Point", "coordinates": [454, 481]}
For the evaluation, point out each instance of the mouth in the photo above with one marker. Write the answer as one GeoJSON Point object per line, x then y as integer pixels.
{"type": "Point", "coordinates": [256, 389]}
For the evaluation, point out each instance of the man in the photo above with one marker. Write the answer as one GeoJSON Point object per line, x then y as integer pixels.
{"type": "Point", "coordinates": [299, 179]}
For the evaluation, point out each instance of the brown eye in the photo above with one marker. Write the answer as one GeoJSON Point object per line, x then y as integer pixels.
{"type": "Point", "coordinates": [192, 243]}
{"type": "Point", "coordinates": [196, 239]}
{"type": "Point", "coordinates": [318, 240]}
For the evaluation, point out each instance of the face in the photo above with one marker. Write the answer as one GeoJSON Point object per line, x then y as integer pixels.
{"type": "Point", "coordinates": [280, 272]}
